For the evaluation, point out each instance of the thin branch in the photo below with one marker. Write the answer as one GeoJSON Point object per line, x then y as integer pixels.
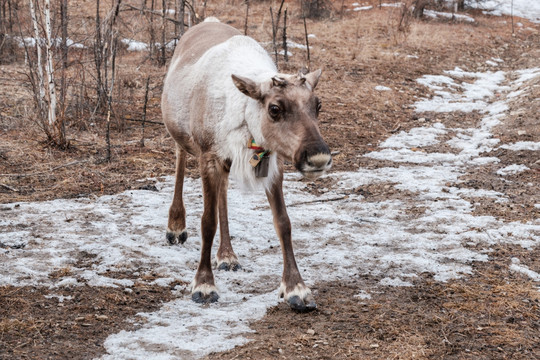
{"type": "Point", "coordinates": [144, 108]}
{"type": "Point", "coordinates": [307, 46]}
{"type": "Point", "coordinates": [285, 55]}
{"type": "Point", "coordinates": [247, 16]}
{"type": "Point", "coordinates": [8, 187]}
{"type": "Point", "coordinates": [307, 202]}
{"type": "Point", "coordinates": [153, 12]}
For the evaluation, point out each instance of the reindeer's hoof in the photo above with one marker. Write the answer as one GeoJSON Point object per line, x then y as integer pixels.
{"type": "Point", "coordinates": [174, 238]}
{"type": "Point", "coordinates": [229, 266]}
{"type": "Point", "coordinates": [297, 304]}
{"type": "Point", "coordinates": [201, 298]}
{"type": "Point", "coordinates": [227, 262]}
{"type": "Point", "coordinates": [299, 299]}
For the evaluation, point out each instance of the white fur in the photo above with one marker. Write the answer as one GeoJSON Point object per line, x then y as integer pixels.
{"type": "Point", "coordinates": [320, 162]}
{"type": "Point", "coordinates": [300, 290]}
{"type": "Point", "coordinates": [175, 233]}
{"type": "Point", "coordinates": [231, 116]}
{"type": "Point", "coordinates": [205, 289]}
{"type": "Point", "coordinates": [231, 260]}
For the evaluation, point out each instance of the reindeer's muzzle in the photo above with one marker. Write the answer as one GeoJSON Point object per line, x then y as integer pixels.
{"type": "Point", "coordinates": [314, 160]}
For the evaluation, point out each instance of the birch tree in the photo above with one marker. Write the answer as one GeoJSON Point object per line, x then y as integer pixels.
{"type": "Point", "coordinates": [43, 70]}
{"type": "Point", "coordinates": [50, 66]}
{"type": "Point", "coordinates": [39, 70]}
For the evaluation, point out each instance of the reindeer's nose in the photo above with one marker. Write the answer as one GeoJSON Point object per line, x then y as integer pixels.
{"type": "Point", "coordinates": [320, 160]}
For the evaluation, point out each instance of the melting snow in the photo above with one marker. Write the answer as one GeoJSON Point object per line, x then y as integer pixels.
{"type": "Point", "coordinates": [517, 267]}
{"type": "Point", "coordinates": [338, 235]}
{"type": "Point", "coordinates": [512, 169]}
{"type": "Point", "coordinates": [363, 8]}
{"type": "Point", "coordinates": [437, 14]}
{"type": "Point", "coordinates": [134, 45]}
{"type": "Point", "coordinates": [529, 9]}
{"type": "Point", "coordinates": [363, 295]}
{"type": "Point", "coordinates": [382, 88]}
{"type": "Point", "coordinates": [522, 145]}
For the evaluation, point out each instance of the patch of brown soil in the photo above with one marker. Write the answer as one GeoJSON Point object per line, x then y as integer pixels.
{"type": "Point", "coordinates": [493, 314]}
{"type": "Point", "coordinates": [69, 323]}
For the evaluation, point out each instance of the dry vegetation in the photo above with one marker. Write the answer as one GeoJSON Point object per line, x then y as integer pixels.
{"type": "Point", "coordinates": [493, 314]}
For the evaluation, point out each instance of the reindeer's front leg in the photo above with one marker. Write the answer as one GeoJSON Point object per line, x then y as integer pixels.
{"type": "Point", "coordinates": [292, 288]}
{"type": "Point", "coordinates": [203, 287]}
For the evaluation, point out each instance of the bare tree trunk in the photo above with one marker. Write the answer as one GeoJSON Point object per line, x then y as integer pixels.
{"type": "Point", "coordinates": [274, 36]}
{"type": "Point", "coordinates": [41, 84]}
{"type": "Point", "coordinates": [512, 15]}
{"type": "Point", "coordinates": [194, 13]}
{"type": "Point", "coordinates": [10, 11]}
{"type": "Point", "coordinates": [144, 108]}
{"type": "Point", "coordinates": [419, 6]}
{"type": "Point", "coordinates": [113, 47]}
{"type": "Point", "coordinates": [307, 46]}
{"type": "Point", "coordinates": [64, 50]}
{"type": "Point", "coordinates": [98, 59]}
{"type": "Point", "coordinates": [152, 31]}
{"type": "Point", "coordinates": [180, 11]}
{"type": "Point", "coordinates": [285, 55]}
{"type": "Point", "coordinates": [50, 65]}
{"type": "Point", "coordinates": [163, 58]}
{"type": "Point", "coordinates": [247, 16]}
{"type": "Point", "coordinates": [275, 26]}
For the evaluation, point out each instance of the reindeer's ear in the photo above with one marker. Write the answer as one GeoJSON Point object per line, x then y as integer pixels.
{"type": "Point", "coordinates": [247, 87]}
{"type": "Point", "coordinates": [313, 78]}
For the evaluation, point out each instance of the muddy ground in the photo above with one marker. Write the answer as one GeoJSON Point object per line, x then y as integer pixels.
{"type": "Point", "coordinates": [492, 314]}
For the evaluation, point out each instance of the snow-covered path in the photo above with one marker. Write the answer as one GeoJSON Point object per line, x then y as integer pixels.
{"type": "Point", "coordinates": [428, 228]}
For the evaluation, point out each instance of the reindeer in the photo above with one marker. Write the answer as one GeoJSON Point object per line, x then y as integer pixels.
{"type": "Point", "coordinates": [225, 103]}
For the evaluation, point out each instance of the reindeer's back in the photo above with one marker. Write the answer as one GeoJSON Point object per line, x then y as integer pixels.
{"type": "Point", "coordinates": [198, 40]}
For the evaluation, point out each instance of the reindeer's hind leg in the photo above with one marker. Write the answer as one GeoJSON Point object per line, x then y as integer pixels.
{"type": "Point", "coordinates": [176, 229]}
{"type": "Point", "coordinates": [226, 258]}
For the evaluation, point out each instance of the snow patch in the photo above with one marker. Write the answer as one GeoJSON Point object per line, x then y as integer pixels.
{"type": "Point", "coordinates": [446, 15]}
{"type": "Point", "coordinates": [522, 145]}
{"type": "Point", "coordinates": [394, 282]}
{"type": "Point", "coordinates": [522, 269]}
{"type": "Point", "coordinates": [60, 298]}
{"type": "Point", "coordinates": [512, 169]}
{"type": "Point", "coordinates": [523, 8]}
{"type": "Point", "coordinates": [363, 8]}
{"type": "Point", "coordinates": [363, 295]}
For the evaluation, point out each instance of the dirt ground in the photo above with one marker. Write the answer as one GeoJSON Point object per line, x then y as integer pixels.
{"type": "Point", "coordinates": [492, 314]}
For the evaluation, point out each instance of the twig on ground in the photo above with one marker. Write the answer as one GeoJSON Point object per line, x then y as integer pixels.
{"type": "Point", "coordinates": [46, 172]}
{"type": "Point", "coordinates": [8, 187]}
{"type": "Point", "coordinates": [307, 202]}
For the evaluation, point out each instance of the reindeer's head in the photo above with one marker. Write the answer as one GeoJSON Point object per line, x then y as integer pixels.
{"type": "Point", "coordinates": [288, 115]}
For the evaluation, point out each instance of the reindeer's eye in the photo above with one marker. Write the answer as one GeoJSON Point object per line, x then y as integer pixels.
{"type": "Point", "coordinates": [274, 111]}
{"type": "Point", "coordinates": [319, 106]}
